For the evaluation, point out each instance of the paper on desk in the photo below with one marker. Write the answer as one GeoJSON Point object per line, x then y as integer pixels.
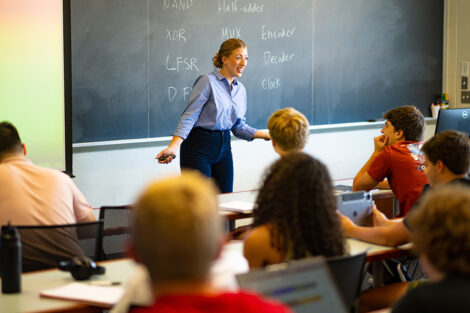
{"type": "Point", "coordinates": [237, 206]}
{"type": "Point", "coordinates": [103, 296]}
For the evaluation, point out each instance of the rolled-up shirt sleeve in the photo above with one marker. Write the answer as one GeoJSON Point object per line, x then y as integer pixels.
{"type": "Point", "coordinates": [242, 130]}
{"type": "Point", "coordinates": [199, 96]}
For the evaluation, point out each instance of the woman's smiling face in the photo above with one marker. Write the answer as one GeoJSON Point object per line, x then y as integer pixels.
{"type": "Point", "coordinates": [235, 63]}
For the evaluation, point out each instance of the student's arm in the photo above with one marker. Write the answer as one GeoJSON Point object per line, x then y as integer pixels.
{"type": "Point", "coordinates": [257, 248]}
{"type": "Point", "coordinates": [89, 218]}
{"type": "Point", "coordinates": [363, 181]}
{"type": "Point", "coordinates": [392, 235]}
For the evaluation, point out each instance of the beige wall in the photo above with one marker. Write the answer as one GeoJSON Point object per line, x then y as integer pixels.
{"type": "Point", "coordinates": [456, 47]}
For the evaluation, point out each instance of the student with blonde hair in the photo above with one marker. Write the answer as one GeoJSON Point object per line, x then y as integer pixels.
{"type": "Point", "coordinates": [177, 236]}
{"type": "Point", "coordinates": [289, 130]}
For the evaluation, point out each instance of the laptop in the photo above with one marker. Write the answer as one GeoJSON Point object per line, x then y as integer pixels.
{"type": "Point", "coordinates": [357, 206]}
{"type": "Point", "coordinates": [306, 285]}
{"type": "Point", "coordinates": [454, 119]}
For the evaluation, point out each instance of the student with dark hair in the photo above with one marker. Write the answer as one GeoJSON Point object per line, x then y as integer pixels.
{"type": "Point", "coordinates": [33, 195]}
{"type": "Point", "coordinates": [217, 105]}
{"type": "Point", "coordinates": [397, 157]}
{"type": "Point", "coordinates": [447, 157]}
{"type": "Point", "coordinates": [295, 214]}
{"type": "Point", "coordinates": [440, 234]}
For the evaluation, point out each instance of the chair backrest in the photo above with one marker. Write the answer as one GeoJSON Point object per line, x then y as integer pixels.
{"type": "Point", "coordinates": [116, 230]}
{"type": "Point", "coordinates": [44, 246]}
{"type": "Point", "coordinates": [348, 272]}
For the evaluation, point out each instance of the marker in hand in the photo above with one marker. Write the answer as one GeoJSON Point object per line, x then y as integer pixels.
{"type": "Point", "coordinates": [164, 157]}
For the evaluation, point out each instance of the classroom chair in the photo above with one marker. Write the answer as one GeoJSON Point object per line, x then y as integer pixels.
{"type": "Point", "coordinates": [44, 246]}
{"type": "Point", "coordinates": [116, 230]}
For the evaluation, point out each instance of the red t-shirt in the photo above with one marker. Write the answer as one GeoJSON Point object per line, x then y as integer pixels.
{"type": "Point", "coordinates": [402, 164]}
{"type": "Point", "coordinates": [225, 302]}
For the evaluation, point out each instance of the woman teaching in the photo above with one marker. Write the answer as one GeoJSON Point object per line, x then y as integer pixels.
{"type": "Point", "coordinates": [217, 105]}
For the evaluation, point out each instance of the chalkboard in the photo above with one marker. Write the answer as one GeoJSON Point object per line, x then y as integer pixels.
{"type": "Point", "coordinates": [134, 62]}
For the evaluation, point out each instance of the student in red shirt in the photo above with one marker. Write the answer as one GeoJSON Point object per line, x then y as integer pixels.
{"type": "Point", "coordinates": [177, 236]}
{"type": "Point", "coordinates": [397, 157]}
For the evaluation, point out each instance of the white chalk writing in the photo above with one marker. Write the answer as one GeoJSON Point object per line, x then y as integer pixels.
{"type": "Point", "coordinates": [181, 63]}
{"type": "Point", "coordinates": [230, 33]}
{"type": "Point", "coordinates": [177, 4]}
{"type": "Point", "coordinates": [270, 83]}
{"type": "Point", "coordinates": [175, 34]}
{"type": "Point", "coordinates": [276, 59]}
{"type": "Point", "coordinates": [234, 7]}
{"type": "Point", "coordinates": [269, 34]}
{"type": "Point", "coordinates": [172, 92]}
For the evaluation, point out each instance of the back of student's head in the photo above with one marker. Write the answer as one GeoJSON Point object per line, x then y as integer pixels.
{"type": "Point", "coordinates": [10, 141]}
{"type": "Point", "coordinates": [288, 129]}
{"type": "Point", "coordinates": [440, 228]}
{"type": "Point", "coordinates": [297, 198]}
{"type": "Point", "coordinates": [452, 148]}
{"type": "Point", "coordinates": [177, 230]}
{"type": "Point", "coordinates": [408, 119]}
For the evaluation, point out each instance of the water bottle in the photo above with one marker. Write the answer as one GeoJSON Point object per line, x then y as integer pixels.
{"type": "Point", "coordinates": [11, 265]}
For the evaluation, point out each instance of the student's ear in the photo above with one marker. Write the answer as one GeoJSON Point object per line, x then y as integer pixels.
{"type": "Point", "coordinates": [400, 135]}
{"type": "Point", "coordinates": [440, 166]}
{"type": "Point", "coordinates": [24, 148]}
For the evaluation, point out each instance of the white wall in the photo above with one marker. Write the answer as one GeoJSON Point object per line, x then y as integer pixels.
{"type": "Point", "coordinates": [114, 176]}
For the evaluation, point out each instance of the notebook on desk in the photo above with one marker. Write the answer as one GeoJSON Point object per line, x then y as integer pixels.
{"type": "Point", "coordinates": [304, 285]}
{"type": "Point", "coordinates": [237, 206]}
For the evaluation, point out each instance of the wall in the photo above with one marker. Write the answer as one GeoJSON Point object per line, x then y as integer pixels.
{"type": "Point", "coordinates": [115, 175]}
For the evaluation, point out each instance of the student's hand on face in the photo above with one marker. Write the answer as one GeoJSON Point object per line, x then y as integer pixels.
{"type": "Point", "coordinates": [347, 224]}
{"type": "Point", "coordinates": [380, 142]}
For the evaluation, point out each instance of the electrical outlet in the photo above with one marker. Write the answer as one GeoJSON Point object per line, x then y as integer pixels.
{"type": "Point", "coordinates": [465, 97]}
{"type": "Point", "coordinates": [464, 84]}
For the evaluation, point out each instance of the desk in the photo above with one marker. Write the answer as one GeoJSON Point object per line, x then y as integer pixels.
{"type": "Point", "coordinates": [384, 200]}
{"type": "Point", "coordinates": [33, 283]}
{"type": "Point", "coordinates": [121, 270]}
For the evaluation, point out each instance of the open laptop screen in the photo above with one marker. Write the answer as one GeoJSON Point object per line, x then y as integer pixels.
{"type": "Point", "coordinates": [454, 119]}
{"type": "Point", "coordinates": [304, 285]}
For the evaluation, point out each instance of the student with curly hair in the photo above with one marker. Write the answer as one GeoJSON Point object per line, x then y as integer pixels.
{"type": "Point", "coordinates": [295, 214]}
{"type": "Point", "coordinates": [440, 233]}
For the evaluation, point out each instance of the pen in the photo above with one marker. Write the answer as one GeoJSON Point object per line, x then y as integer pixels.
{"type": "Point", "coordinates": [104, 283]}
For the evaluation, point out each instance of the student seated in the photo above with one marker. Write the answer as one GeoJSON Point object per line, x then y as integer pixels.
{"type": "Point", "coordinates": [397, 157]}
{"type": "Point", "coordinates": [440, 234]}
{"type": "Point", "coordinates": [33, 195]}
{"type": "Point", "coordinates": [177, 236]}
{"type": "Point", "coordinates": [447, 156]}
{"type": "Point", "coordinates": [289, 130]}
{"type": "Point", "coordinates": [295, 214]}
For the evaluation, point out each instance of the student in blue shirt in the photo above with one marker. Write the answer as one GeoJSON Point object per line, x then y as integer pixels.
{"type": "Point", "coordinates": [217, 105]}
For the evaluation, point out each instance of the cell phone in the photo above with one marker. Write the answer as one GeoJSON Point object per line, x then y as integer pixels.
{"type": "Point", "coordinates": [164, 157]}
